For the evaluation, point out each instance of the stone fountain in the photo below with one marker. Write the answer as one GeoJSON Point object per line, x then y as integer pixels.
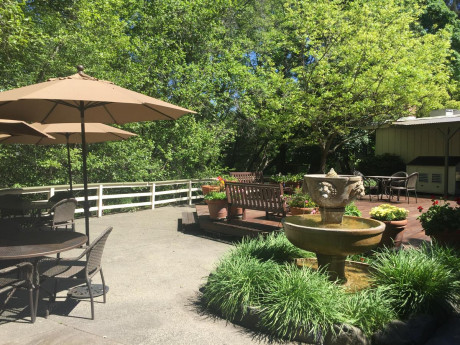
{"type": "Point", "coordinates": [331, 235]}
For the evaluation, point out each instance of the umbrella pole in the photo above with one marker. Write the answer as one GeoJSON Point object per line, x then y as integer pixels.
{"type": "Point", "coordinates": [85, 171]}
{"type": "Point", "coordinates": [69, 166]}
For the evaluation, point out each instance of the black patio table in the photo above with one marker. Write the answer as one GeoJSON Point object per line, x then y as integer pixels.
{"type": "Point", "coordinates": [383, 180]}
{"type": "Point", "coordinates": [34, 244]}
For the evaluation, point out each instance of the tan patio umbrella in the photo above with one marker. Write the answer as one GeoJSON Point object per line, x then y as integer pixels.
{"type": "Point", "coordinates": [13, 128]}
{"type": "Point", "coordinates": [69, 133]}
{"type": "Point", "coordinates": [81, 98]}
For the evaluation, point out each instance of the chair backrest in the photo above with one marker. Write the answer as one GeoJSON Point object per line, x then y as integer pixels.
{"type": "Point", "coordinates": [248, 177]}
{"type": "Point", "coordinates": [412, 180]}
{"type": "Point", "coordinates": [94, 253]}
{"type": "Point", "coordinates": [58, 196]}
{"type": "Point", "coordinates": [64, 212]}
{"type": "Point", "coordinates": [400, 174]}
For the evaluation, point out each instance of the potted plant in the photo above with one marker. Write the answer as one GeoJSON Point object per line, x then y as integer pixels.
{"type": "Point", "coordinates": [216, 185]}
{"type": "Point", "coordinates": [442, 221]}
{"type": "Point", "coordinates": [395, 219]}
{"type": "Point", "coordinates": [300, 203]}
{"type": "Point", "coordinates": [217, 204]}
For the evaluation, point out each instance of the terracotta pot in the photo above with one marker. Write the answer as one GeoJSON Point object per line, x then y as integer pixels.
{"type": "Point", "coordinates": [208, 188]}
{"type": "Point", "coordinates": [217, 209]}
{"type": "Point", "coordinates": [302, 210]}
{"type": "Point", "coordinates": [393, 233]}
{"type": "Point", "coordinates": [236, 212]}
{"type": "Point", "coordinates": [448, 238]}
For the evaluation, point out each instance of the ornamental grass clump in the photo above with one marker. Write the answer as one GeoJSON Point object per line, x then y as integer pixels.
{"type": "Point", "coordinates": [387, 212]}
{"type": "Point", "coordinates": [301, 301]}
{"type": "Point", "coordinates": [414, 281]}
{"type": "Point", "coordinates": [369, 309]}
{"type": "Point", "coordinates": [237, 283]}
{"type": "Point", "coordinates": [274, 246]}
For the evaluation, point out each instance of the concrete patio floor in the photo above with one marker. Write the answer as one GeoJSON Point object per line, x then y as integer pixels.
{"type": "Point", "coordinates": [154, 273]}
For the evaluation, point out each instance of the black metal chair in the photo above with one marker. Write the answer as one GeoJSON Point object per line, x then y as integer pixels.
{"type": "Point", "coordinates": [370, 185]}
{"type": "Point", "coordinates": [15, 277]}
{"type": "Point", "coordinates": [409, 184]}
{"type": "Point", "coordinates": [77, 269]}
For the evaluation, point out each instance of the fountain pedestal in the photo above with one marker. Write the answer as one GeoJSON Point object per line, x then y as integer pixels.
{"type": "Point", "coordinates": [335, 265]}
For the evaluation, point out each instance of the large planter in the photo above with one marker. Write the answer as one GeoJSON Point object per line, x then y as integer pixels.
{"type": "Point", "coordinates": [209, 188]}
{"type": "Point", "coordinates": [393, 233]}
{"type": "Point", "coordinates": [295, 211]}
{"type": "Point", "coordinates": [236, 212]}
{"type": "Point", "coordinates": [448, 238]}
{"type": "Point", "coordinates": [217, 209]}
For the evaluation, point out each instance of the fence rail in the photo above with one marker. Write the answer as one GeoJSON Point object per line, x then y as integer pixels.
{"type": "Point", "coordinates": [151, 193]}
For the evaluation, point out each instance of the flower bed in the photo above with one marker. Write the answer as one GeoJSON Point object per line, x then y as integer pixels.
{"type": "Point", "coordinates": [258, 278]}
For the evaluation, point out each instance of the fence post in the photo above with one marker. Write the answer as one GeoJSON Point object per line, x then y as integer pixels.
{"type": "Point", "coordinates": [190, 192]}
{"type": "Point", "coordinates": [100, 193]}
{"type": "Point", "coordinates": [51, 193]}
{"type": "Point", "coordinates": [152, 190]}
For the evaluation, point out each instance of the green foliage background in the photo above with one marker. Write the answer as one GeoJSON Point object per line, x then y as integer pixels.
{"type": "Point", "coordinates": [270, 80]}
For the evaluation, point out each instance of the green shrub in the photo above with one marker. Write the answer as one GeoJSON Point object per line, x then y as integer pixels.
{"type": "Point", "coordinates": [237, 283]}
{"type": "Point", "coordinates": [300, 299]}
{"type": "Point", "coordinates": [352, 210]}
{"type": "Point", "coordinates": [415, 281]}
{"type": "Point", "coordinates": [446, 255]}
{"type": "Point", "coordinates": [386, 165]}
{"type": "Point", "coordinates": [274, 246]}
{"type": "Point", "coordinates": [369, 310]}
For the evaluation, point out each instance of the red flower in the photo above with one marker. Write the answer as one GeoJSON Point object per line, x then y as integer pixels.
{"type": "Point", "coordinates": [435, 202]}
{"type": "Point", "coordinates": [362, 259]}
{"type": "Point", "coordinates": [420, 208]}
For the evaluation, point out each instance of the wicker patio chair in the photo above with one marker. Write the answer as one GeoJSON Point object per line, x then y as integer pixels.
{"type": "Point", "coordinates": [410, 184]}
{"type": "Point", "coordinates": [62, 215]}
{"type": "Point", "coordinates": [15, 277]}
{"type": "Point", "coordinates": [76, 268]}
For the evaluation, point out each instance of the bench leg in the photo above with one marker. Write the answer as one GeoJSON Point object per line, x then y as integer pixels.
{"type": "Point", "coordinates": [244, 214]}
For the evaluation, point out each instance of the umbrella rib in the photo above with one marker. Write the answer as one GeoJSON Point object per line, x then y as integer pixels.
{"type": "Point", "coordinates": [152, 108]}
{"type": "Point", "coordinates": [110, 114]}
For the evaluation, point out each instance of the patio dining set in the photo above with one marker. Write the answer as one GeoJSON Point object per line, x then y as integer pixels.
{"type": "Point", "coordinates": [391, 186]}
{"type": "Point", "coordinates": [30, 245]}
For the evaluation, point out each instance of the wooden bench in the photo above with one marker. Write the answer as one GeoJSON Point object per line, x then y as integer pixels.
{"type": "Point", "coordinates": [254, 196]}
{"type": "Point", "coordinates": [248, 177]}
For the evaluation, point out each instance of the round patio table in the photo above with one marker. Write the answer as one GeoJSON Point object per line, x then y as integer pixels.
{"type": "Point", "coordinates": [33, 245]}
{"type": "Point", "coordinates": [30, 244]}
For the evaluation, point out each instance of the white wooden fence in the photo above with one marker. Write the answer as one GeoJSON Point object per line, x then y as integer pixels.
{"type": "Point", "coordinates": [152, 193]}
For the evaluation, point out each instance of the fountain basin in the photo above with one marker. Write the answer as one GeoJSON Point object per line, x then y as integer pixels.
{"type": "Point", "coordinates": [354, 236]}
{"type": "Point", "coordinates": [333, 242]}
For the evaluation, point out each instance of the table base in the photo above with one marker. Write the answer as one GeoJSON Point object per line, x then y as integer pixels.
{"type": "Point", "coordinates": [81, 292]}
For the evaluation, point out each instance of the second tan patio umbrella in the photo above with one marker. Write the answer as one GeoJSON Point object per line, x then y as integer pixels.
{"type": "Point", "coordinates": [68, 133]}
{"type": "Point", "coordinates": [82, 98]}
{"type": "Point", "coordinates": [13, 128]}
